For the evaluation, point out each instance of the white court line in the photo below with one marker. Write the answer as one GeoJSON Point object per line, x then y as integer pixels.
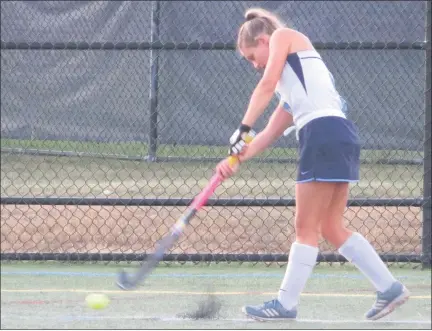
{"type": "Point", "coordinates": [65, 318]}
{"type": "Point", "coordinates": [244, 320]}
{"type": "Point", "coordinates": [317, 294]}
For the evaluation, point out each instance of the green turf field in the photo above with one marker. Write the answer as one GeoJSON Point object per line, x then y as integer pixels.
{"type": "Point", "coordinates": [52, 295]}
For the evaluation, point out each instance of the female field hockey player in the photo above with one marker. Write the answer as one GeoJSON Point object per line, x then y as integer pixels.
{"type": "Point", "coordinates": [329, 153]}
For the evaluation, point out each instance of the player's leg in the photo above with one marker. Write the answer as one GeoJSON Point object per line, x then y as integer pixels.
{"type": "Point", "coordinates": [332, 223]}
{"type": "Point", "coordinates": [355, 248]}
{"type": "Point", "coordinates": [312, 199]}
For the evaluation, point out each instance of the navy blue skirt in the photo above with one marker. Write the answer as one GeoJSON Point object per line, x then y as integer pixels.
{"type": "Point", "coordinates": [329, 151]}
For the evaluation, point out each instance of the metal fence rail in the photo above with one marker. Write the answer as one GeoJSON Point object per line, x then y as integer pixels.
{"type": "Point", "coordinates": [107, 135]}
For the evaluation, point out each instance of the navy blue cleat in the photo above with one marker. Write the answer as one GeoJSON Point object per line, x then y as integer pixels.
{"type": "Point", "coordinates": [270, 311]}
{"type": "Point", "coordinates": [387, 301]}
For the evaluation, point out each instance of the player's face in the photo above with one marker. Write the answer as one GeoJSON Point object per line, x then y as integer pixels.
{"type": "Point", "coordinates": [257, 55]}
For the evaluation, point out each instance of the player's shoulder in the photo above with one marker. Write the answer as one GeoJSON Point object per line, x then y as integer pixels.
{"type": "Point", "coordinates": [287, 36]}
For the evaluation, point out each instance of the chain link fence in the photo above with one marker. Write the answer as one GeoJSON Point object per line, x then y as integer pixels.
{"type": "Point", "coordinates": [114, 113]}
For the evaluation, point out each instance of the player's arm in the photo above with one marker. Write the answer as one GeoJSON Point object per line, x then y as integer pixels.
{"type": "Point", "coordinates": [278, 123]}
{"type": "Point", "coordinates": [279, 48]}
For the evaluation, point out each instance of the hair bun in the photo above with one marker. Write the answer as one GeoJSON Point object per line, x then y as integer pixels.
{"type": "Point", "coordinates": [250, 15]}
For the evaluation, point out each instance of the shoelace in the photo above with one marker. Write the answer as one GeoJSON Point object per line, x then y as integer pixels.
{"type": "Point", "coordinates": [269, 304]}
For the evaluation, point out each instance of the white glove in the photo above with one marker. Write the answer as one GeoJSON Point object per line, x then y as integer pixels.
{"type": "Point", "coordinates": [237, 140]}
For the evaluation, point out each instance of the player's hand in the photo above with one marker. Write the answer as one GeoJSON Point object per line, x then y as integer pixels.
{"type": "Point", "coordinates": [238, 139]}
{"type": "Point", "coordinates": [225, 169]}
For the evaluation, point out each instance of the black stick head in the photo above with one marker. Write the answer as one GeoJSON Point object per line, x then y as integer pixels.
{"type": "Point", "coordinates": [208, 308]}
{"type": "Point", "coordinates": [124, 282]}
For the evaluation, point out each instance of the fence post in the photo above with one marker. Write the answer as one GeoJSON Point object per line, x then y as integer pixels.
{"type": "Point", "coordinates": [427, 165]}
{"type": "Point", "coordinates": [154, 80]}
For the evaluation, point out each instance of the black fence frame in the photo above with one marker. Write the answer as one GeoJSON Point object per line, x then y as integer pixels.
{"type": "Point", "coordinates": [155, 46]}
{"type": "Point", "coordinates": [427, 164]}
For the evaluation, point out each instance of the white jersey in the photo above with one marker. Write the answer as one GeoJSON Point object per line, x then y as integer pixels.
{"type": "Point", "coordinates": [307, 89]}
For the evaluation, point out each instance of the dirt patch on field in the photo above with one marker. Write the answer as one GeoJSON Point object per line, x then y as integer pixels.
{"type": "Point", "coordinates": [94, 229]}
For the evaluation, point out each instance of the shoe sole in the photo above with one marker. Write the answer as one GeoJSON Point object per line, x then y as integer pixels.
{"type": "Point", "coordinates": [265, 319]}
{"type": "Point", "coordinates": [399, 301]}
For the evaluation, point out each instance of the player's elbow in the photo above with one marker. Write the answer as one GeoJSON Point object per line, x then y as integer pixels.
{"type": "Point", "coordinates": [268, 85]}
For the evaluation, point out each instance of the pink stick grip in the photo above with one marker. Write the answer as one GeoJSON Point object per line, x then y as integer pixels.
{"type": "Point", "coordinates": [201, 199]}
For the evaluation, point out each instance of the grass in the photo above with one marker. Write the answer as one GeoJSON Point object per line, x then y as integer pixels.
{"type": "Point", "coordinates": [24, 175]}
{"type": "Point", "coordinates": [139, 149]}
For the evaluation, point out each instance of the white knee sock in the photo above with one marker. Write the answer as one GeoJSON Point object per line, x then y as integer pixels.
{"type": "Point", "coordinates": [360, 252]}
{"type": "Point", "coordinates": [302, 259]}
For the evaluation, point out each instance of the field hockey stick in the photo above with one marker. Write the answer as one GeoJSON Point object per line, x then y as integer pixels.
{"type": "Point", "coordinates": [129, 282]}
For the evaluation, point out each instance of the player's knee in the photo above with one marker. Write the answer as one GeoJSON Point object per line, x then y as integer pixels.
{"type": "Point", "coordinates": [334, 234]}
{"type": "Point", "coordinates": [327, 230]}
{"type": "Point", "coordinates": [307, 232]}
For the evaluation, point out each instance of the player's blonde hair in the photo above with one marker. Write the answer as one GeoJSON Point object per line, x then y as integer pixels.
{"type": "Point", "coordinates": [258, 21]}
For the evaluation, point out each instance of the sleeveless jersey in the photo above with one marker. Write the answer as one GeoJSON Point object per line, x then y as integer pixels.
{"type": "Point", "coordinates": [307, 90]}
